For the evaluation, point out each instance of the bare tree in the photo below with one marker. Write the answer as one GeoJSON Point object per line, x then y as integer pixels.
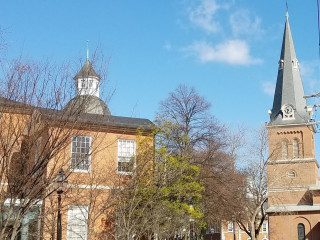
{"type": "Point", "coordinates": [250, 214]}
{"type": "Point", "coordinates": [35, 132]}
{"type": "Point", "coordinates": [189, 130]}
{"type": "Point", "coordinates": [186, 122]}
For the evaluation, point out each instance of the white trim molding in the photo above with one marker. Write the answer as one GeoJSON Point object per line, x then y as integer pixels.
{"type": "Point", "coordinates": [17, 202]}
{"type": "Point", "coordinates": [293, 208]}
{"type": "Point", "coordinates": [94, 186]}
{"type": "Point", "coordinates": [289, 189]}
{"type": "Point", "coordinates": [293, 161]}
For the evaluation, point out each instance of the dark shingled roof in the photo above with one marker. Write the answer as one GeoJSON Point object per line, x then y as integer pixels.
{"type": "Point", "coordinates": [87, 71]}
{"type": "Point", "coordinates": [87, 104]}
{"type": "Point", "coordinates": [107, 121]}
{"type": "Point", "coordinates": [289, 88]}
{"type": "Point", "coordinates": [100, 120]}
{"type": "Point", "coordinates": [116, 121]}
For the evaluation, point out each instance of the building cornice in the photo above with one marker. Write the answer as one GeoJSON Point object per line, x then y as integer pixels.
{"type": "Point", "coordinates": [315, 187]}
{"type": "Point", "coordinates": [281, 208]}
{"type": "Point", "coordinates": [288, 189]}
{"type": "Point", "coordinates": [307, 124]}
{"type": "Point", "coordinates": [293, 161]}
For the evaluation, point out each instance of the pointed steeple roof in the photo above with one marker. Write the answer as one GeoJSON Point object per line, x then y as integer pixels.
{"type": "Point", "coordinates": [289, 89]}
{"type": "Point", "coordinates": [87, 71]}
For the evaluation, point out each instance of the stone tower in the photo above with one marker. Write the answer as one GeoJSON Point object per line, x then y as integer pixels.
{"type": "Point", "coordinates": [293, 189]}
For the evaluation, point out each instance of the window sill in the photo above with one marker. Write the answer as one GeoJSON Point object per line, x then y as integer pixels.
{"type": "Point", "coordinates": [125, 173]}
{"type": "Point", "coordinates": [80, 171]}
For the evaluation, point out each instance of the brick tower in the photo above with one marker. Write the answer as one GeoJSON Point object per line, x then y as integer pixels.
{"type": "Point", "coordinates": [293, 188]}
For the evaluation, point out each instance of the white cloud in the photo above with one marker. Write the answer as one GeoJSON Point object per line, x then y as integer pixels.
{"type": "Point", "coordinates": [234, 52]}
{"type": "Point", "coordinates": [307, 68]}
{"type": "Point", "coordinates": [309, 73]}
{"type": "Point", "coordinates": [203, 15]}
{"type": "Point", "coordinates": [242, 24]}
{"type": "Point", "coordinates": [268, 88]}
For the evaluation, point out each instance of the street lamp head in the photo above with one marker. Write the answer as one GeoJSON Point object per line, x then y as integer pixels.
{"type": "Point", "coordinates": [60, 182]}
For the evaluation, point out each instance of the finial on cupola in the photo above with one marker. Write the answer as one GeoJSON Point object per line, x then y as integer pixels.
{"type": "Point", "coordinates": [87, 50]}
{"type": "Point", "coordinates": [87, 80]}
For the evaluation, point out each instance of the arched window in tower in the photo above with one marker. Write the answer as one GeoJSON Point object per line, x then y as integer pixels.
{"type": "Point", "coordinates": [284, 149]}
{"type": "Point", "coordinates": [83, 83]}
{"type": "Point", "coordinates": [295, 63]}
{"type": "Point", "coordinates": [281, 64]}
{"type": "Point", "coordinates": [295, 147]}
{"type": "Point", "coordinates": [301, 232]}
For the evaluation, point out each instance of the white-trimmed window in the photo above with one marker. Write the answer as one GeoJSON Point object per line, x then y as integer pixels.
{"type": "Point", "coordinates": [77, 225]}
{"type": "Point", "coordinates": [80, 153]}
{"type": "Point", "coordinates": [295, 147]}
{"type": "Point", "coordinates": [230, 226]}
{"type": "Point", "coordinates": [126, 156]}
{"type": "Point", "coordinates": [264, 227]}
{"type": "Point", "coordinates": [215, 228]}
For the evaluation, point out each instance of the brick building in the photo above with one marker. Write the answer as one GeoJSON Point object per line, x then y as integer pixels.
{"type": "Point", "coordinates": [96, 150]}
{"type": "Point", "coordinates": [293, 182]}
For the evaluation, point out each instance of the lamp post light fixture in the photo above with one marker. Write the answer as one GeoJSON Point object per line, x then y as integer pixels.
{"type": "Point", "coordinates": [60, 184]}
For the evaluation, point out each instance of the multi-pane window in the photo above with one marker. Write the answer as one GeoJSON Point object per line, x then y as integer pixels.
{"type": "Point", "coordinates": [215, 228]}
{"type": "Point", "coordinates": [126, 155]}
{"type": "Point", "coordinates": [83, 83]}
{"type": "Point", "coordinates": [264, 227]}
{"type": "Point", "coordinates": [80, 153]}
{"type": "Point", "coordinates": [295, 146]}
{"type": "Point", "coordinates": [230, 226]}
{"type": "Point", "coordinates": [77, 223]}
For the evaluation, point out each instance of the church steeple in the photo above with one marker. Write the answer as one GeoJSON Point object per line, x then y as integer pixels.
{"type": "Point", "coordinates": [292, 169]}
{"type": "Point", "coordinates": [289, 105]}
{"type": "Point", "coordinates": [87, 80]}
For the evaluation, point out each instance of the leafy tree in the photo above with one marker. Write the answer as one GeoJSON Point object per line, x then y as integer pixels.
{"type": "Point", "coordinates": [156, 200]}
{"type": "Point", "coordinates": [188, 130]}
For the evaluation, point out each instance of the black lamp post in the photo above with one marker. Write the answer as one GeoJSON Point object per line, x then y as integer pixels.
{"type": "Point", "coordinates": [191, 221]}
{"type": "Point", "coordinates": [60, 185]}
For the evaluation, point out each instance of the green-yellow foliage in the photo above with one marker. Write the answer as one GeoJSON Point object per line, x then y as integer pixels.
{"type": "Point", "coordinates": [159, 197]}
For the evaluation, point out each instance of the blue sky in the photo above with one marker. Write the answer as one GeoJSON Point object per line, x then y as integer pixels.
{"type": "Point", "coordinates": [228, 50]}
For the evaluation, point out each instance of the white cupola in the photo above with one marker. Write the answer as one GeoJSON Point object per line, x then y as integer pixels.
{"type": "Point", "coordinates": [87, 80]}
